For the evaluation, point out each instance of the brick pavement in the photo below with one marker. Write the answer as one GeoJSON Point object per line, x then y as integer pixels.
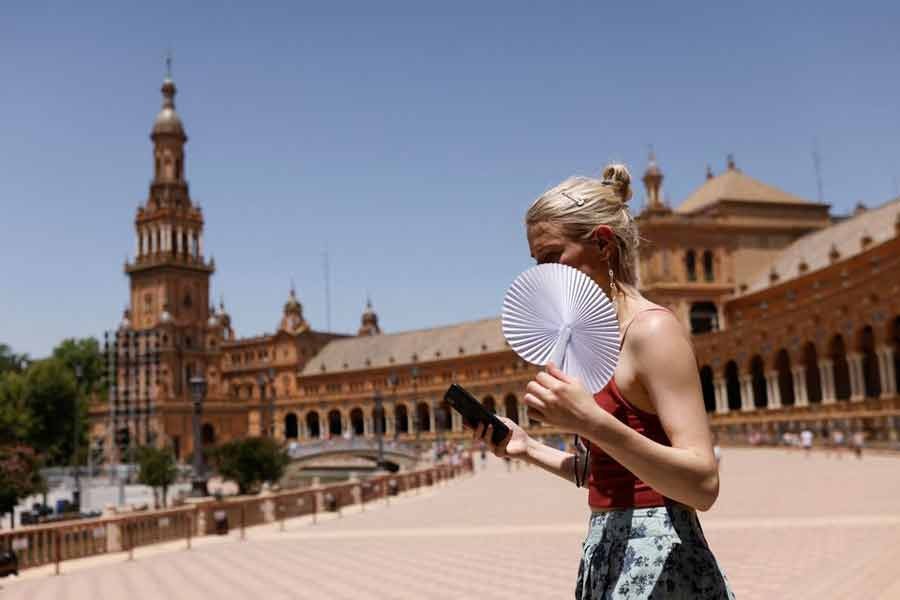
{"type": "Point", "coordinates": [785, 526]}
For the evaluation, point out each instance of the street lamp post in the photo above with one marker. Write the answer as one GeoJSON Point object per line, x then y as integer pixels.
{"type": "Point", "coordinates": [272, 403]}
{"type": "Point", "coordinates": [414, 375]}
{"type": "Point", "coordinates": [264, 379]}
{"type": "Point", "coordinates": [76, 494]}
{"type": "Point", "coordinates": [198, 393]}
{"type": "Point", "coordinates": [379, 420]}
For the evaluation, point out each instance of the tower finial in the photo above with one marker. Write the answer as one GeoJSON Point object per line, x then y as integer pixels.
{"type": "Point", "coordinates": [709, 172]}
{"type": "Point", "coordinates": [731, 164]}
{"type": "Point", "coordinates": [169, 63]}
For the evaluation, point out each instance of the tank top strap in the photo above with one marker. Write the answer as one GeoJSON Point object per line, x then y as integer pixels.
{"type": "Point", "coordinates": [634, 318]}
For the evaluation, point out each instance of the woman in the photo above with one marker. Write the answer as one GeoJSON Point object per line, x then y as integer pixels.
{"type": "Point", "coordinates": [650, 462]}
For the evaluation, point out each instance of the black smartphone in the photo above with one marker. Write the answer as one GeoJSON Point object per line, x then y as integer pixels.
{"type": "Point", "coordinates": [474, 413]}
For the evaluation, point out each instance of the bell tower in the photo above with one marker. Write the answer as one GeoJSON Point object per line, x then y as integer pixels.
{"type": "Point", "coordinates": [169, 275]}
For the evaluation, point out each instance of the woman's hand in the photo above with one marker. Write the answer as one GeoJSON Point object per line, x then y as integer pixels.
{"type": "Point", "coordinates": [556, 399]}
{"type": "Point", "coordinates": [515, 445]}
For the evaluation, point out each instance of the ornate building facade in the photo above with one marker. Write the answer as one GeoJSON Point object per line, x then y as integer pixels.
{"type": "Point", "coordinates": [794, 314]}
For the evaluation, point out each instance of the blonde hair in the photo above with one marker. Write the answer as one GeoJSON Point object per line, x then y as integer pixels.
{"type": "Point", "coordinates": [579, 204]}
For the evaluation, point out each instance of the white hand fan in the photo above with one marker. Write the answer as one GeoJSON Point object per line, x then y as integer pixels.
{"type": "Point", "coordinates": [553, 312]}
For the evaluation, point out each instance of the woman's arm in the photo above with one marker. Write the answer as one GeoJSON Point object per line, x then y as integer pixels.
{"type": "Point", "coordinates": [519, 444]}
{"type": "Point", "coordinates": [686, 471]}
{"type": "Point", "coordinates": [561, 464]}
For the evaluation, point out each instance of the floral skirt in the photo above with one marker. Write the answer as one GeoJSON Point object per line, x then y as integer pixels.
{"type": "Point", "coordinates": [639, 553]}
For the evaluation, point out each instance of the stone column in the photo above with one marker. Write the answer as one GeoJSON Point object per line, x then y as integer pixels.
{"type": "Point", "coordinates": [200, 244]}
{"type": "Point", "coordinates": [137, 245]}
{"type": "Point", "coordinates": [801, 398]}
{"type": "Point", "coordinates": [431, 419]}
{"type": "Point", "coordinates": [523, 415]}
{"type": "Point", "coordinates": [390, 420]}
{"type": "Point", "coordinates": [857, 378]}
{"type": "Point", "coordinates": [747, 392]}
{"type": "Point", "coordinates": [368, 424]}
{"type": "Point", "coordinates": [178, 248]}
{"type": "Point", "coordinates": [887, 372]}
{"type": "Point", "coordinates": [826, 380]}
{"type": "Point", "coordinates": [721, 395]}
{"type": "Point", "coordinates": [456, 421]}
{"type": "Point", "coordinates": [773, 390]}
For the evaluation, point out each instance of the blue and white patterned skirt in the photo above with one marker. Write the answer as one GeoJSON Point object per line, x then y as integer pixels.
{"type": "Point", "coordinates": [658, 553]}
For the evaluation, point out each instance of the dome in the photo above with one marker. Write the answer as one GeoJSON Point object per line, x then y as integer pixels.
{"type": "Point", "coordinates": [224, 317]}
{"type": "Point", "coordinates": [167, 121]}
{"type": "Point", "coordinates": [293, 305]}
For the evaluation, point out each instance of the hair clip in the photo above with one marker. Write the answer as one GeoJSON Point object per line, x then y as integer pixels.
{"type": "Point", "coordinates": [577, 201]}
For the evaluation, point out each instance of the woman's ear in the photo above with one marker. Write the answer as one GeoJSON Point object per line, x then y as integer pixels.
{"type": "Point", "coordinates": [602, 235]}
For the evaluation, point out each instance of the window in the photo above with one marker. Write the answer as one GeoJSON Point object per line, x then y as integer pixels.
{"type": "Point", "coordinates": [690, 265]}
{"type": "Point", "coordinates": [708, 261]}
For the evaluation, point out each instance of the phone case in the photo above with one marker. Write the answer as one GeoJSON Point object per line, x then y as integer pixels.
{"type": "Point", "coordinates": [474, 412]}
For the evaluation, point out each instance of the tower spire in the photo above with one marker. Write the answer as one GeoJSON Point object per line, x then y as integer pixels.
{"type": "Point", "coordinates": [653, 182]}
{"type": "Point", "coordinates": [169, 64]}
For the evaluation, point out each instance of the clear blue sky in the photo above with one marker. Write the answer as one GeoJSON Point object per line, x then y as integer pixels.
{"type": "Point", "coordinates": [407, 142]}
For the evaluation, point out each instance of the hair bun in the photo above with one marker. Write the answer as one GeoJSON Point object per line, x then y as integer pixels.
{"type": "Point", "coordinates": [617, 176]}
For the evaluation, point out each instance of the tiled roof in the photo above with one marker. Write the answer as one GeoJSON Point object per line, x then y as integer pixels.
{"type": "Point", "coordinates": [452, 341]}
{"type": "Point", "coordinates": [735, 185]}
{"type": "Point", "coordinates": [846, 238]}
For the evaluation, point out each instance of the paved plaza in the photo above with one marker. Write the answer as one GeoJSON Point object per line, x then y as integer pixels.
{"type": "Point", "coordinates": [785, 526]}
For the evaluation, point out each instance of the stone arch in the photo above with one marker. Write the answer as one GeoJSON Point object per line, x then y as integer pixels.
{"type": "Point", "coordinates": [837, 352]}
{"type": "Point", "coordinates": [708, 266]}
{"type": "Point", "coordinates": [401, 418]}
{"type": "Point", "coordinates": [208, 434]}
{"type": "Point", "coordinates": [785, 377]}
{"type": "Point", "coordinates": [708, 386]}
{"type": "Point", "coordinates": [871, 372]}
{"type": "Point", "coordinates": [379, 420]}
{"type": "Point", "coordinates": [704, 317]}
{"type": "Point", "coordinates": [490, 404]}
{"type": "Point", "coordinates": [313, 430]}
{"type": "Point", "coordinates": [511, 405]}
{"type": "Point", "coordinates": [442, 417]}
{"type": "Point", "coordinates": [357, 421]}
{"type": "Point", "coordinates": [335, 423]}
{"type": "Point", "coordinates": [733, 385]}
{"type": "Point", "coordinates": [291, 427]}
{"type": "Point", "coordinates": [690, 265]}
{"type": "Point", "coordinates": [811, 365]}
{"type": "Point", "coordinates": [758, 374]}
{"type": "Point", "coordinates": [423, 418]}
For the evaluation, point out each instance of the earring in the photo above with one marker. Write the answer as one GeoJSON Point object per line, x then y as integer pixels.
{"type": "Point", "coordinates": [613, 288]}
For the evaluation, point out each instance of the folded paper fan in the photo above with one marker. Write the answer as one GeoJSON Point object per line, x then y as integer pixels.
{"type": "Point", "coordinates": [556, 313]}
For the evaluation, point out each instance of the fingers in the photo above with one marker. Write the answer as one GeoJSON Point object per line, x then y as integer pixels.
{"type": "Point", "coordinates": [540, 392]}
{"type": "Point", "coordinates": [548, 381]}
{"type": "Point", "coordinates": [536, 415]}
{"type": "Point", "coordinates": [553, 370]}
{"type": "Point", "coordinates": [533, 403]}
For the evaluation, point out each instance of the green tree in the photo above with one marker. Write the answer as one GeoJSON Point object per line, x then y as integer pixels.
{"type": "Point", "coordinates": [84, 352]}
{"type": "Point", "coordinates": [12, 362]}
{"type": "Point", "coordinates": [15, 419]}
{"type": "Point", "coordinates": [250, 462]}
{"type": "Point", "coordinates": [157, 469]}
{"type": "Point", "coordinates": [20, 477]}
{"type": "Point", "coordinates": [56, 412]}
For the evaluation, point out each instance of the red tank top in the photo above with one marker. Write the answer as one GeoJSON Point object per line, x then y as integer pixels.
{"type": "Point", "coordinates": [610, 485]}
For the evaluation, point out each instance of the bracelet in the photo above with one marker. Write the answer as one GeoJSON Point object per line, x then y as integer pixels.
{"type": "Point", "coordinates": [579, 480]}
